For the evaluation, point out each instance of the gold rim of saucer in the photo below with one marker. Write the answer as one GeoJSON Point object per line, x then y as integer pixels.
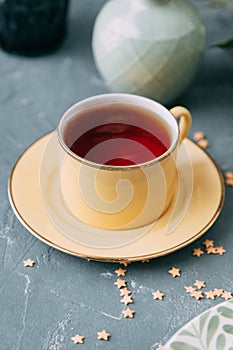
{"type": "Point", "coordinates": [15, 196]}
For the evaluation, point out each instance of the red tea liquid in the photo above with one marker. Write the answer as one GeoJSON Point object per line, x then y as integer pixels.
{"type": "Point", "coordinates": [117, 134]}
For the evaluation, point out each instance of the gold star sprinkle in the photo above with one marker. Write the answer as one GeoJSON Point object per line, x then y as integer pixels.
{"type": "Point", "coordinates": [124, 292]}
{"type": "Point", "coordinates": [226, 295]}
{"type": "Point", "coordinates": [220, 250]}
{"type": "Point", "coordinates": [124, 262]}
{"type": "Point", "coordinates": [229, 175]}
{"type": "Point", "coordinates": [210, 295]}
{"type": "Point", "coordinates": [198, 135]}
{"type": "Point", "coordinates": [158, 295]}
{"type": "Point", "coordinates": [218, 292]}
{"type": "Point", "coordinates": [229, 182]}
{"type": "Point", "coordinates": [78, 339]}
{"type": "Point", "coordinates": [197, 294]}
{"type": "Point", "coordinates": [128, 313]}
{"type": "Point", "coordinates": [120, 283]}
{"type": "Point", "coordinates": [203, 143]}
{"type": "Point", "coordinates": [208, 243]}
{"type": "Point", "coordinates": [160, 347]}
{"type": "Point", "coordinates": [211, 250]}
{"type": "Point", "coordinates": [229, 178]}
{"type": "Point", "coordinates": [189, 289]}
{"type": "Point", "coordinates": [199, 284]}
{"type": "Point", "coordinates": [103, 335]}
{"type": "Point", "coordinates": [127, 300]}
{"type": "Point", "coordinates": [29, 262]}
{"type": "Point", "coordinates": [145, 261]}
{"type": "Point", "coordinates": [197, 252]}
{"type": "Point", "coordinates": [120, 272]}
{"type": "Point", "coordinates": [175, 272]}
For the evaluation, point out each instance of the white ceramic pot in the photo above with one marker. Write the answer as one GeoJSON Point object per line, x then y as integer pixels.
{"type": "Point", "coordinates": [148, 47]}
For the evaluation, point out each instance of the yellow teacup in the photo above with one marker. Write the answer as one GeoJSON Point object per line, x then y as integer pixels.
{"type": "Point", "coordinates": [111, 196]}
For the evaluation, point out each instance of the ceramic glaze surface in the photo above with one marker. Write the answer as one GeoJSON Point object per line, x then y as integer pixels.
{"type": "Point", "coordinates": [148, 47]}
{"type": "Point", "coordinates": [211, 330]}
{"type": "Point", "coordinates": [122, 197]}
{"type": "Point", "coordinates": [38, 205]}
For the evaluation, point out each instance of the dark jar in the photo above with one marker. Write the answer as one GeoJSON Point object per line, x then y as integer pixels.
{"type": "Point", "coordinates": [32, 27]}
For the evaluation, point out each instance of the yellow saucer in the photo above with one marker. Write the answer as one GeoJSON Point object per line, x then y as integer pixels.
{"type": "Point", "coordinates": [203, 203]}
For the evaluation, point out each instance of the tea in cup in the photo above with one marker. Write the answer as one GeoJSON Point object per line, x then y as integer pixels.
{"type": "Point", "coordinates": [118, 153]}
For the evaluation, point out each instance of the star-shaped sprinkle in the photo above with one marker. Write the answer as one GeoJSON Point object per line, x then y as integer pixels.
{"type": "Point", "coordinates": [29, 263]}
{"type": "Point", "coordinates": [226, 295]}
{"type": "Point", "coordinates": [158, 295]}
{"type": "Point", "coordinates": [203, 143]}
{"type": "Point", "coordinates": [124, 292]}
{"type": "Point", "coordinates": [199, 284]}
{"type": "Point", "coordinates": [120, 283]}
{"type": "Point", "coordinates": [229, 175]}
{"type": "Point", "coordinates": [208, 243]}
{"type": "Point", "coordinates": [127, 299]}
{"type": "Point", "coordinates": [78, 339]}
{"type": "Point", "coordinates": [189, 289]}
{"type": "Point", "coordinates": [220, 250]}
{"type": "Point", "coordinates": [128, 313]}
{"type": "Point", "coordinates": [229, 182]}
{"type": "Point", "coordinates": [197, 252]}
{"type": "Point", "coordinates": [175, 272]}
{"type": "Point", "coordinates": [210, 295]}
{"type": "Point", "coordinates": [103, 335]}
{"type": "Point", "coordinates": [160, 347]}
{"type": "Point", "coordinates": [124, 262]}
{"type": "Point", "coordinates": [198, 135]}
{"type": "Point", "coordinates": [197, 294]}
{"type": "Point", "coordinates": [145, 261]}
{"type": "Point", "coordinates": [218, 292]}
{"type": "Point", "coordinates": [229, 178]}
{"type": "Point", "coordinates": [211, 250]}
{"type": "Point", "coordinates": [120, 272]}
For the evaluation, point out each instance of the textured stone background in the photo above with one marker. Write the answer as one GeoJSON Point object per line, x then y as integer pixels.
{"type": "Point", "coordinates": [43, 307]}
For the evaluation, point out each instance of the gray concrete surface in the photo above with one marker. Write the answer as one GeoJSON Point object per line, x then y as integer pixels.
{"type": "Point", "coordinates": [43, 307]}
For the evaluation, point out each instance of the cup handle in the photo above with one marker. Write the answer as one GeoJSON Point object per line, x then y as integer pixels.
{"type": "Point", "coordinates": [185, 120]}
